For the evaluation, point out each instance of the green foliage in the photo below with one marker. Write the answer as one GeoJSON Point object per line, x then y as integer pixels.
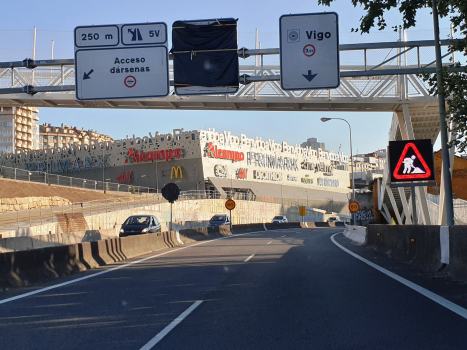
{"type": "Point", "coordinates": [133, 190]}
{"type": "Point", "coordinates": [455, 76]}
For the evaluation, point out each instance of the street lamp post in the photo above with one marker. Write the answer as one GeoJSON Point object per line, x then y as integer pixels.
{"type": "Point", "coordinates": [103, 173]}
{"type": "Point", "coordinates": [351, 158]}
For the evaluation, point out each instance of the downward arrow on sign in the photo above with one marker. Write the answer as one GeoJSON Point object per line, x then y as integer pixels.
{"type": "Point", "coordinates": [309, 76]}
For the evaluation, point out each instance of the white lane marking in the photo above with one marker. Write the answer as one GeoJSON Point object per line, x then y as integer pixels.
{"type": "Point", "coordinates": [247, 259]}
{"type": "Point", "coordinates": [171, 326]}
{"type": "Point", "coordinates": [425, 292]}
{"type": "Point", "coordinates": [269, 243]}
{"type": "Point", "coordinates": [111, 269]}
{"type": "Point", "coordinates": [283, 236]}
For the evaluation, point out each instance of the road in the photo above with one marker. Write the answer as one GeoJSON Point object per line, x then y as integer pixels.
{"type": "Point", "coordinates": [282, 289]}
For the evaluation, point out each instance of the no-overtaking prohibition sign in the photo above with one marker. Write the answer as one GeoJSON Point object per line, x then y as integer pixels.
{"type": "Point", "coordinates": [230, 204]}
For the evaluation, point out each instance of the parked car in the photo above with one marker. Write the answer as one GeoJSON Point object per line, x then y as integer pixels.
{"type": "Point", "coordinates": [140, 224]}
{"type": "Point", "coordinates": [279, 219]}
{"type": "Point", "coordinates": [334, 219]}
{"type": "Point", "coordinates": [219, 220]}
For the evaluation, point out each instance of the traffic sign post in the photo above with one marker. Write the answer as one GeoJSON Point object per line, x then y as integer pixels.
{"type": "Point", "coordinates": [354, 206]}
{"type": "Point", "coordinates": [121, 61]}
{"type": "Point", "coordinates": [230, 205]}
{"type": "Point", "coordinates": [309, 51]}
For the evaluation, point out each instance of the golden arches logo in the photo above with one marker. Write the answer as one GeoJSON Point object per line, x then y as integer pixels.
{"type": "Point", "coordinates": [176, 170]}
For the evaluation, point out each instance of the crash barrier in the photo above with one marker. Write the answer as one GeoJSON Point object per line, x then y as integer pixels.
{"type": "Point", "coordinates": [355, 233]}
{"type": "Point", "coordinates": [54, 240]}
{"type": "Point", "coordinates": [22, 268]}
{"type": "Point", "coordinates": [416, 244]}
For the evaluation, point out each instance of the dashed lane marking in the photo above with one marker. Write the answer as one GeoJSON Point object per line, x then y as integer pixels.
{"type": "Point", "coordinates": [269, 243]}
{"type": "Point", "coordinates": [247, 259]}
{"type": "Point", "coordinates": [171, 326]}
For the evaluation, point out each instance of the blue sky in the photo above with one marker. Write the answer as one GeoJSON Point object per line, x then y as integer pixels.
{"type": "Point", "coordinates": [57, 20]}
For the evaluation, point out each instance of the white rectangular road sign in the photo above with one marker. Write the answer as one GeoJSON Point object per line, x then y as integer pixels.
{"type": "Point", "coordinates": [309, 51]}
{"type": "Point", "coordinates": [121, 61]}
{"type": "Point", "coordinates": [144, 34]}
{"type": "Point", "coordinates": [122, 73]}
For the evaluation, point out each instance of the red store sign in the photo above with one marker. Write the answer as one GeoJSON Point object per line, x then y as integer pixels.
{"type": "Point", "coordinates": [133, 156]}
{"type": "Point", "coordinates": [213, 152]}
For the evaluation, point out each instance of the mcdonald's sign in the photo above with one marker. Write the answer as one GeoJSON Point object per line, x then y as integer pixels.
{"type": "Point", "coordinates": [176, 170]}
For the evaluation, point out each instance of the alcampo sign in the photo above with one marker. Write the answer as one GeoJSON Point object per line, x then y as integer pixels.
{"type": "Point", "coordinates": [133, 156]}
{"type": "Point", "coordinates": [213, 152]}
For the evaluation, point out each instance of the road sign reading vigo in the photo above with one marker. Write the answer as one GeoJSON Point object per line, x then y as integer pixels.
{"type": "Point", "coordinates": [121, 61]}
{"type": "Point", "coordinates": [309, 51]}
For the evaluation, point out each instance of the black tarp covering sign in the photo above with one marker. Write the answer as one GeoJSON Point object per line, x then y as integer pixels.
{"type": "Point", "coordinates": [205, 56]}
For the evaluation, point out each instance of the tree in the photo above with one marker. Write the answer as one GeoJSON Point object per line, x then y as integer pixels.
{"type": "Point", "coordinates": [455, 83]}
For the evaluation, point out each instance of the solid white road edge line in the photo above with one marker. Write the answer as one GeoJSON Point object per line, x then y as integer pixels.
{"type": "Point", "coordinates": [171, 326]}
{"type": "Point", "coordinates": [425, 292]}
{"type": "Point", "coordinates": [111, 269]}
{"type": "Point", "coordinates": [247, 259]}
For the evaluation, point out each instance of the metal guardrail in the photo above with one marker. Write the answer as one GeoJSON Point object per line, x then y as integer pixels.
{"type": "Point", "coordinates": [53, 179]}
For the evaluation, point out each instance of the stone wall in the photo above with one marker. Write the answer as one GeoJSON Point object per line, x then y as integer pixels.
{"type": "Point", "coordinates": [25, 203]}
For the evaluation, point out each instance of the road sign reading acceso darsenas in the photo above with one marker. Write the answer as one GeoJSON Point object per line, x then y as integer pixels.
{"type": "Point", "coordinates": [121, 61]}
{"type": "Point", "coordinates": [309, 51]}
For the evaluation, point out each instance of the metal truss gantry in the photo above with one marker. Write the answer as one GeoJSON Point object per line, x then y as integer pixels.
{"type": "Point", "coordinates": [384, 78]}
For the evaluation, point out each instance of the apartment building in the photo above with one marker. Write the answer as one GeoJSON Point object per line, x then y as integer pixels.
{"type": "Point", "coordinates": [64, 136]}
{"type": "Point", "coordinates": [19, 129]}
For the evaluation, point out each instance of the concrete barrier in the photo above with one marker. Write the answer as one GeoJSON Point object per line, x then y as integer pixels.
{"type": "Point", "coordinates": [457, 267]}
{"type": "Point", "coordinates": [357, 234]}
{"type": "Point", "coordinates": [416, 244]}
{"type": "Point", "coordinates": [247, 228]}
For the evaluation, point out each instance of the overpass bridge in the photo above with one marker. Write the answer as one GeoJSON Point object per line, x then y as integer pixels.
{"type": "Point", "coordinates": [375, 77]}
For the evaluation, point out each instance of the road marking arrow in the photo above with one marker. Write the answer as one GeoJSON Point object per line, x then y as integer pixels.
{"type": "Point", "coordinates": [309, 76]}
{"type": "Point", "coordinates": [87, 75]}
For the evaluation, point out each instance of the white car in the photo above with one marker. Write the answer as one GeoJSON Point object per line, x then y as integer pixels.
{"type": "Point", "coordinates": [279, 219]}
{"type": "Point", "coordinates": [334, 219]}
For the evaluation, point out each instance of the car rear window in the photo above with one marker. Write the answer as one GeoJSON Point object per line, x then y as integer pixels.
{"type": "Point", "coordinates": [278, 217]}
{"type": "Point", "coordinates": [218, 218]}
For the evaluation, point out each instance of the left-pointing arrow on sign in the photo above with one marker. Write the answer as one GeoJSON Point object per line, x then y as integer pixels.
{"type": "Point", "coordinates": [87, 75]}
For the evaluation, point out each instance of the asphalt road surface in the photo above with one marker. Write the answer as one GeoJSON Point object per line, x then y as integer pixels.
{"type": "Point", "coordinates": [282, 289]}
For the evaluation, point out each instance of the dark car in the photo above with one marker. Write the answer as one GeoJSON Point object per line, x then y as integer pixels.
{"type": "Point", "coordinates": [219, 220]}
{"type": "Point", "coordinates": [140, 224]}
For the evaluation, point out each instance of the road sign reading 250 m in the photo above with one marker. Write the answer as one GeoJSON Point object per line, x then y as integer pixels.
{"type": "Point", "coordinates": [121, 61]}
{"type": "Point", "coordinates": [309, 51]}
